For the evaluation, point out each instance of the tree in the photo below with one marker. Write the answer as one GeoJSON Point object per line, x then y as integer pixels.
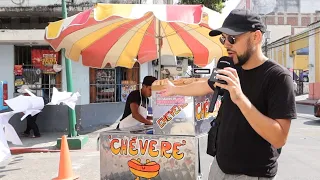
{"type": "Point", "coordinates": [216, 5]}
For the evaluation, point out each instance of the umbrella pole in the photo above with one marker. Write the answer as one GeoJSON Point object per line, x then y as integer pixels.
{"type": "Point", "coordinates": [71, 112]}
{"type": "Point", "coordinates": [159, 63]}
{"type": "Point", "coordinates": [159, 51]}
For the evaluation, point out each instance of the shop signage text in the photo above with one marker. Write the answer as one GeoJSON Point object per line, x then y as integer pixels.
{"type": "Point", "coordinates": [153, 148]}
{"type": "Point", "coordinates": [201, 110]}
{"type": "Point", "coordinates": [168, 116]}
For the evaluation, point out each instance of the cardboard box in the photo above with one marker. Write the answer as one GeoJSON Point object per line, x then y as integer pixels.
{"type": "Point", "coordinates": [181, 115]}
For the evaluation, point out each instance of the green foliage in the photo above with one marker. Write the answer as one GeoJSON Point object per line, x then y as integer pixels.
{"type": "Point", "coordinates": [216, 5]}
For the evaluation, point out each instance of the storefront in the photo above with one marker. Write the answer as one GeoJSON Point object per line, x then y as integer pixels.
{"type": "Point", "coordinates": [38, 69]}
{"type": "Point", "coordinates": [113, 84]}
{"type": "Point", "coordinates": [103, 91]}
{"type": "Point", "coordinates": [27, 60]}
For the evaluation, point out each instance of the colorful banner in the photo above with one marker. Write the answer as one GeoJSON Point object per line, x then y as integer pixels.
{"type": "Point", "coordinates": [44, 60]}
{"type": "Point", "coordinates": [18, 70]}
{"type": "Point", "coordinates": [3, 95]}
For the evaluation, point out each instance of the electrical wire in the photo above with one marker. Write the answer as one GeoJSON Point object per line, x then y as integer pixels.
{"type": "Point", "coordinates": [18, 3]}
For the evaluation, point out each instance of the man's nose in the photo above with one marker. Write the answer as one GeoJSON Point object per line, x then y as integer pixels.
{"type": "Point", "coordinates": [227, 44]}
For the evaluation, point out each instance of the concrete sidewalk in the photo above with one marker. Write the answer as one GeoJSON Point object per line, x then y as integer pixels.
{"type": "Point", "coordinates": [44, 163]}
{"type": "Point", "coordinates": [48, 141]}
{"type": "Point", "coordinates": [303, 99]}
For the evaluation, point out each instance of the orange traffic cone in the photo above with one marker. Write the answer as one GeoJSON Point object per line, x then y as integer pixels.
{"type": "Point", "coordinates": [65, 168]}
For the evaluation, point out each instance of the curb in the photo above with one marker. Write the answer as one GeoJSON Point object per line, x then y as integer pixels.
{"type": "Point", "coordinates": [23, 150]}
{"type": "Point", "coordinates": [305, 103]}
{"type": "Point", "coordinates": [15, 151]}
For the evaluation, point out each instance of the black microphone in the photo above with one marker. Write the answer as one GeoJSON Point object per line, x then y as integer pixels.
{"type": "Point", "coordinates": [223, 62]}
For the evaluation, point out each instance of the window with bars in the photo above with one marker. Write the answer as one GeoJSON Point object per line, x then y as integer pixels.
{"type": "Point", "coordinates": [113, 84]}
{"type": "Point", "coordinates": [34, 69]}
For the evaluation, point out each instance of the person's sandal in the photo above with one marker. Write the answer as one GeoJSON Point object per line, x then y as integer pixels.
{"type": "Point", "coordinates": [25, 134]}
{"type": "Point", "coordinates": [35, 136]}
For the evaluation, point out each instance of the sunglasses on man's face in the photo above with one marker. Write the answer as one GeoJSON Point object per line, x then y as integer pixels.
{"type": "Point", "coordinates": [231, 39]}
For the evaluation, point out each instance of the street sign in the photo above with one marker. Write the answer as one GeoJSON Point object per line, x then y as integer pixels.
{"type": "Point", "coordinates": [201, 71]}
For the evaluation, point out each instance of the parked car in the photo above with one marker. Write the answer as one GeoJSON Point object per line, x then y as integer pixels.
{"type": "Point", "coordinates": [317, 109]}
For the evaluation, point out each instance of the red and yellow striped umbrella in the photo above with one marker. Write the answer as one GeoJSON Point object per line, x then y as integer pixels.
{"type": "Point", "coordinates": [121, 34]}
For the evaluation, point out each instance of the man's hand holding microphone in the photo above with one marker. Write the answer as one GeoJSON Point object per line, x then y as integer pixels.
{"type": "Point", "coordinates": [222, 77]}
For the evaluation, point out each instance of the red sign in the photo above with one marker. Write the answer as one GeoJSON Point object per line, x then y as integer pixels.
{"type": "Point", "coordinates": [18, 70]}
{"type": "Point", "coordinates": [5, 94]}
{"type": "Point", "coordinates": [44, 60]}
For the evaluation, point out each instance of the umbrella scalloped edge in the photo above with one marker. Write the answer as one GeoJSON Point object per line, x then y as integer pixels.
{"type": "Point", "coordinates": [188, 14]}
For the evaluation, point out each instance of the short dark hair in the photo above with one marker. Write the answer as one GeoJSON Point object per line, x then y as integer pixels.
{"type": "Point", "coordinates": [148, 80]}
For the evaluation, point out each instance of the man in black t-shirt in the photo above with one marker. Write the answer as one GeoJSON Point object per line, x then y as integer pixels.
{"type": "Point", "coordinates": [258, 104]}
{"type": "Point", "coordinates": [135, 111]}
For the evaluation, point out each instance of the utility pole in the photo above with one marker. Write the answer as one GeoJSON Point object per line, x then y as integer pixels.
{"type": "Point", "coordinates": [267, 38]}
{"type": "Point", "coordinates": [267, 35]}
{"type": "Point", "coordinates": [265, 47]}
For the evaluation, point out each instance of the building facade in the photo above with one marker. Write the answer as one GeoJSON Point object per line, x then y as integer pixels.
{"type": "Point", "coordinates": [301, 52]}
{"type": "Point", "coordinates": [26, 59]}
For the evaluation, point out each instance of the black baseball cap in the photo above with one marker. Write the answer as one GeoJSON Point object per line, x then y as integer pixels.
{"type": "Point", "coordinates": [148, 80]}
{"type": "Point", "coordinates": [240, 21]}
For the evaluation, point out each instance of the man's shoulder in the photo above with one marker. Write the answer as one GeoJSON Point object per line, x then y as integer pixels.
{"type": "Point", "coordinates": [274, 69]}
{"type": "Point", "coordinates": [134, 95]}
{"type": "Point", "coordinates": [134, 92]}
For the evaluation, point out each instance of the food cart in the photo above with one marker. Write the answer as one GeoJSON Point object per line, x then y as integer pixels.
{"type": "Point", "coordinates": [174, 147]}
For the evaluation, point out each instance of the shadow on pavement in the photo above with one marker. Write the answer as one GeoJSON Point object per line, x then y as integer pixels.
{"type": "Point", "coordinates": [94, 132]}
{"type": "Point", "coordinates": [47, 140]}
{"type": "Point", "coordinates": [312, 122]}
{"type": "Point", "coordinates": [6, 168]}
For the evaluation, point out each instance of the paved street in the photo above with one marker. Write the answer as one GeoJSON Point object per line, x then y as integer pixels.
{"type": "Point", "coordinates": [299, 159]}
{"type": "Point", "coordinates": [43, 166]}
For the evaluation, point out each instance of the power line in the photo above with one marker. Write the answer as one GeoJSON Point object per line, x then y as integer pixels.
{"type": "Point", "coordinates": [18, 3]}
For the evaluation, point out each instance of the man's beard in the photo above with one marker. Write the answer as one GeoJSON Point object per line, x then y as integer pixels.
{"type": "Point", "coordinates": [242, 59]}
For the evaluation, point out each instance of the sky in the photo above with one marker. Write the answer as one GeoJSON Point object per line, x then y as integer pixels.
{"type": "Point", "coordinates": [230, 5]}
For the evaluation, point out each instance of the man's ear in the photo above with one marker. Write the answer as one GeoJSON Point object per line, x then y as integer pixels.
{"type": "Point", "coordinates": [258, 37]}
